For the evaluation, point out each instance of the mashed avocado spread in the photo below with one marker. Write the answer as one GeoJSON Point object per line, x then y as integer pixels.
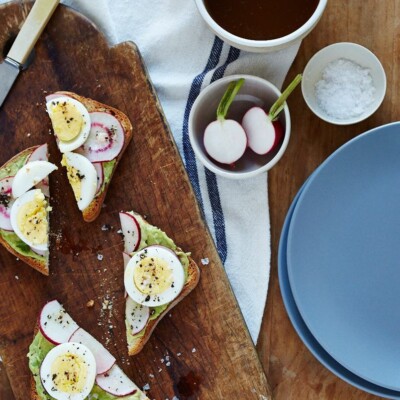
{"type": "Point", "coordinates": [152, 235]}
{"type": "Point", "coordinates": [10, 237]}
{"type": "Point", "coordinates": [38, 351]}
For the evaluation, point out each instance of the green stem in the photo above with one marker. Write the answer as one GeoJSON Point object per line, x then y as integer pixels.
{"type": "Point", "coordinates": [278, 106]}
{"type": "Point", "coordinates": [228, 98]}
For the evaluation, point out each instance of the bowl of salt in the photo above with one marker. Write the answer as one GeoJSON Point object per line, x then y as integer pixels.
{"type": "Point", "coordinates": [344, 83]}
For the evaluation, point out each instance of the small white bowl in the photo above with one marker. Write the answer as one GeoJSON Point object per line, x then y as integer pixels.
{"type": "Point", "coordinates": [262, 46]}
{"type": "Point", "coordinates": [350, 51]}
{"type": "Point", "coordinates": [254, 92]}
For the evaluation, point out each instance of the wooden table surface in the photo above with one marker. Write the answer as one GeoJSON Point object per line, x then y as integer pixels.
{"type": "Point", "coordinates": [292, 371]}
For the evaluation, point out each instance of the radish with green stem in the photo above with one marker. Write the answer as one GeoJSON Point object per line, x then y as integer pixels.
{"type": "Point", "coordinates": [224, 139]}
{"type": "Point", "coordinates": [264, 131]}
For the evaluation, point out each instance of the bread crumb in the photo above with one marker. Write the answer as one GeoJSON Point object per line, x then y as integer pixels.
{"type": "Point", "coordinates": [16, 277]}
{"type": "Point", "coordinates": [90, 304]}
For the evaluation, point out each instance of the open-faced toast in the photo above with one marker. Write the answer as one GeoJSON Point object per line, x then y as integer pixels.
{"type": "Point", "coordinates": [103, 136]}
{"type": "Point", "coordinates": [56, 330]}
{"type": "Point", "coordinates": [24, 206]}
{"type": "Point", "coordinates": [158, 275]}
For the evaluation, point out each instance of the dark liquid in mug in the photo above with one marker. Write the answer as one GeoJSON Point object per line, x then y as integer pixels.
{"type": "Point", "coordinates": [261, 19]}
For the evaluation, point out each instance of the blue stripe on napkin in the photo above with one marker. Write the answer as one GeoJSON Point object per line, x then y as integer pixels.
{"type": "Point", "coordinates": [190, 160]}
{"type": "Point", "coordinates": [211, 179]}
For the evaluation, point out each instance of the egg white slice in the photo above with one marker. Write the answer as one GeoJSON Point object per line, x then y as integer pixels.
{"type": "Point", "coordinates": [30, 175]}
{"type": "Point", "coordinates": [16, 207]}
{"type": "Point", "coordinates": [89, 178]}
{"type": "Point", "coordinates": [53, 382]}
{"type": "Point", "coordinates": [83, 134]}
{"type": "Point", "coordinates": [175, 266]}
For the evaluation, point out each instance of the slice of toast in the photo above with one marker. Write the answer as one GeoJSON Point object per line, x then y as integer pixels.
{"type": "Point", "coordinates": [8, 238]}
{"type": "Point", "coordinates": [91, 212]}
{"type": "Point", "coordinates": [137, 342]}
{"type": "Point", "coordinates": [135, 346]}
{"type": "Point", "coordinates": [34, 395]}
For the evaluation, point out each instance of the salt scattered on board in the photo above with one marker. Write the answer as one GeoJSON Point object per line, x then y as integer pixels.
{"type": "Point", "coordinates": [346, 89]}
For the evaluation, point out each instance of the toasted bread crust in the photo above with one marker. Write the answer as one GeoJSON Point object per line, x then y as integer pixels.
{"type": "Point", "coordinates": [40, 266]}
{"type": "Point", "coordinates": [33, 391]}
{"type": "Point", "coordinates": [191, 283]}
{"type": "Point", "coordinates": [91, 212]}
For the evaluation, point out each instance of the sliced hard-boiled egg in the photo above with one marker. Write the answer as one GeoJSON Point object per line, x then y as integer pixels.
{"type": "Point", "coordinates": [30, 175]}
{"type": "Point", "coordinates": [68, 372]}
{"type": "Point", "coordinates": [82, 177]}
{"type": "Point", "coordinates": [154, 276]}
{"type": "Point", "coordinates": [29, 219]}
{"type": "Point", "coordinates": [71, 122]}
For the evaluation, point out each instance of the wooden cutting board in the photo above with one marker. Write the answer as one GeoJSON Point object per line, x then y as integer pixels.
{"type": "Point", "coordinates": [202, 349]}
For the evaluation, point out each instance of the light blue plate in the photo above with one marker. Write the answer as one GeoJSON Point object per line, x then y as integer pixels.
{"type": "Point", "coordinates": [308, 339]}
{"type": "Point", "coordinates": [343, 256]}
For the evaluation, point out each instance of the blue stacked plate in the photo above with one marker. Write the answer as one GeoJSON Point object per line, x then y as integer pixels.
{"type": "Point", "coordinates": [339, 262]}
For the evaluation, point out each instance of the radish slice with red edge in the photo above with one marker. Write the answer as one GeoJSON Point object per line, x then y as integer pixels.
{"type": "Point", "coordinates": [126, 258]}
{"type": "Point", "coordinates": [55, 324]}
{"type": "Point", "coordinates": [137, 316]}
{"type": "Point", "coordinates": [225, 140]}
{"type": "Point", "coordinates": [39, 154]}
{"type": "Point", "coordinates": [116, 382]}
{"type": "Point", "coordinates": [44, 186]}
{"type": "Point", "coordinates": [104, 359]}
{"type": "Point", "coordinates": [100, 175]}
{"type": "Point", "coordinates": [131, 231]}
{"type": "Point", "coordinates": [106, 138]}
{"type": "Point", "coordinates": [6, 202]}
{"type": "Point", "coordinates": [264, 131]}
{"type": "Point", "coordinates": [54, 96]}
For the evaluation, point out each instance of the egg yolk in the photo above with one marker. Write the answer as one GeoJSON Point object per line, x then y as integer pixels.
{"type": "Point", "coordinates": [69, 373]}
{"type": "Point", "coordinates": [66, 119]}
{"type": "Point", "coordinates": [32, 219]}
{"type": "Point", "coordinates": [152, 276]}
{"type": "Point", "coordinates": [74, 177]}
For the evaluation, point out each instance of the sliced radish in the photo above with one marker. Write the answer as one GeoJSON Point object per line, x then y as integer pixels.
{"type": "Point", "coordinates": [126, 258]}
{"type": "Point", "coordinates": [44, 186]}
{"type": "Point", "coordinates": [6, 202]}
{"type": "Point", "coordinates": [136, 315]}
{"type": "Point", "coordinates": [100, 175]}
{"type": "Point", "coordinates": [106, 138]}
{"type": "Point", "coordinates": [131, 231]}
{"type": "Point", "coordinates": [116, 382]}
{"type": "Point", "coordinates": [55, 324]}
{"type": "Point", "coordinates": [40, 252]}
{"type": "Point", "coordinates": [39, 154]}
{"type": "Point", "coordinates": [104, 359]}
{"type": "Point", "coordinates": [54, 96]}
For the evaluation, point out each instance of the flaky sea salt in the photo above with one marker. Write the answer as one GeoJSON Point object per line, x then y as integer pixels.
{"type": "Point", "coordinates": [346, 89]}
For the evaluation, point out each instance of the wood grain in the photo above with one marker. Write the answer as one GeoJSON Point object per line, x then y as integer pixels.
{"type": "Point", "coordinates": [211, 354]}
{"type": "Point", "coordinates": [292, 371]}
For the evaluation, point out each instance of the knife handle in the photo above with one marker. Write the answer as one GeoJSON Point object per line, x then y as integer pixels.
{"type": "Point", "coordinates": [32, 28]}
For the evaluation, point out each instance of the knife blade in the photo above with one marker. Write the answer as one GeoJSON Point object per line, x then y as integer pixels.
{"type": "Point", "coordinates": [30, 32]}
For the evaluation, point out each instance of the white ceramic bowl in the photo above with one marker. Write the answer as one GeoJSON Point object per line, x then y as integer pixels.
{"type": "Point", "coordinates": [254, 92]}
{"type": "Point", "coordinates": [262, 46]}
{"type": "Point", "coordinates": [351, 51]}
